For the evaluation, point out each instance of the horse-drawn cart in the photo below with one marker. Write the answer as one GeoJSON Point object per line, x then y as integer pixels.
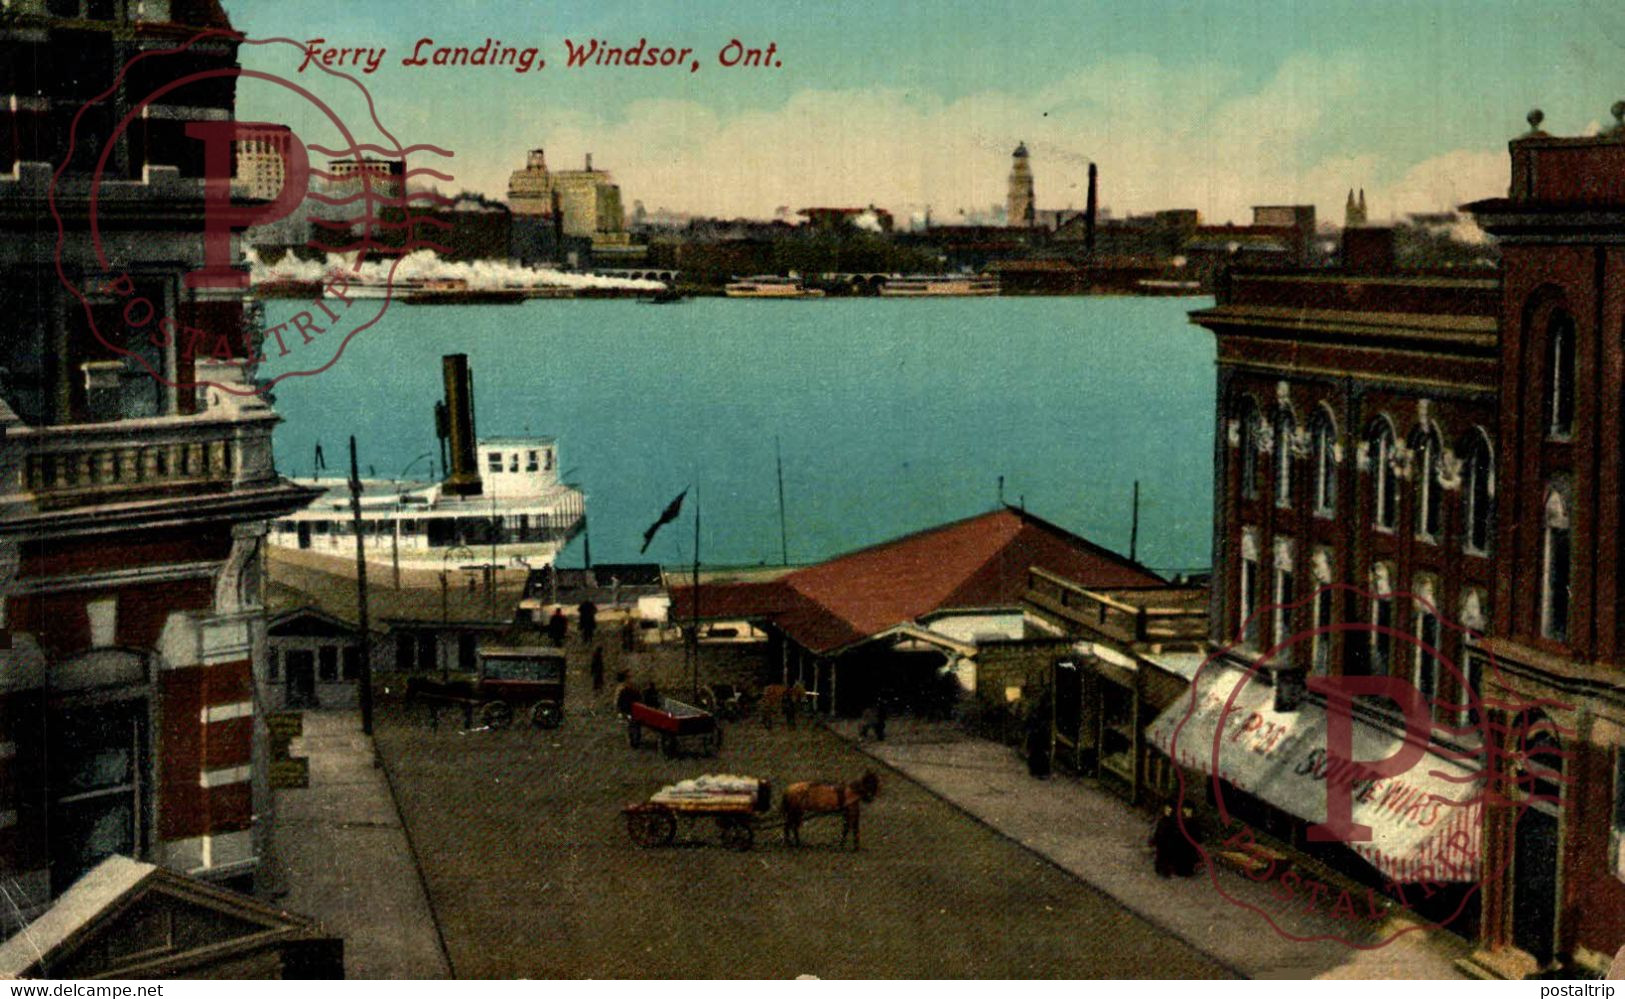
{"type": "Point", "coordinates": [676, 724]}
{"type": "Point", "coordinates": [509, 681]}
{"type": "Point", "coordinates": [734, 802]}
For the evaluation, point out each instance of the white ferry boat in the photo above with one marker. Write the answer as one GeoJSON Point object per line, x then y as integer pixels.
{"type": "Point", "coordinates": [928, 285]}
{"type": "Point", "coordinates": [502, 504]}
{"type": "Point", "coordinates": [770, 286]}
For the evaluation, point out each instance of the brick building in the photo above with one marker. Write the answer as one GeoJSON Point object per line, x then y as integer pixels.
{"type": "Point", "coordinates": [131, 510]}
{"type": "Point", "coordinates": [1556, 831]}
{"type": "Point", "coordinates": [1417, 476]}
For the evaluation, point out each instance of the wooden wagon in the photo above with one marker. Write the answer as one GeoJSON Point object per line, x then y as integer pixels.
{"type": "Point", "coordinates": [676, 725]}
{"type": "Point", "coordinates": [735, 803]}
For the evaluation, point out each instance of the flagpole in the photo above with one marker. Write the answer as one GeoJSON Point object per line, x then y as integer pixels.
{"type": "Point", "coordinates": [696, 663]}
{"type": "Point", "coordinates": [784, 535]}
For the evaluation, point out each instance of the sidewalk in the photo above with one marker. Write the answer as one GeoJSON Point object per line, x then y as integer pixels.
{"type": "Point", "coordinates": [1101, 840]}
{"type": "Point", "coordinates": [341, 856]}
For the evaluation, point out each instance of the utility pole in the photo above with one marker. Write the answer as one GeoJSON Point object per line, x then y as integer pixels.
{"type": "Point", "coordinates": [1134, 525]}
{"type": "Point", "coordinates": [696, 639]}
{"type": "Point", "coordinates": [361, 594]}
{"type": "Point", "coordinates": [784, 534]}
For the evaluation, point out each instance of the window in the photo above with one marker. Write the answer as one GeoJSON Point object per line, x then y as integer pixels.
{"type": "Point", "coordinates": [1540, 766]}
{"type": "Point", "coordinates": [1478, 493]}
{"type": "Point", "coordinates": [1247, 443]}
{"type": "Point", "coordinates": [1323, 610]}
{"type": "Point", "coordinates": [1474, 619]}
{"type": "Point", "coordinates": [1282, 624]}
{"type": "Point", "coordinates": [1555, 570]}
{"type": "Point", "coordinates": [1380, 647]}
{"type": "Point", "coordinates": [531, 463]}
{"type": "Point", "coordinates": [428, 657]}
{"type": "Point", "coordinates": [1384, 477]}
{"type": "Point", "coordinates": [1425, 676]}
{"type": "Point", "coordinates": [403, 651]}
{"type": "Point", "coordinates": [1323, 434]}
{"type": "Point", "coordinates": [327, 663]}
{"type": "Point", "coordinates": [513, 462]}
{"type": "Point", "coordinates": [1560, 377]}
{"type": "Point", "coordinates": [493, 461]}
{"type": "Point", "coordinates": [1285, 428]}
{"type": "Point", "coordinates": [1248, 604]}
{"type": "Point", "coordinates": [274, 663]}
{"type": "Point", "coordinates": [549, 453]}
{"type": "Point", "coordinates": [1428, 491]}
{"type": "Point", "coordinates": [352, 663]}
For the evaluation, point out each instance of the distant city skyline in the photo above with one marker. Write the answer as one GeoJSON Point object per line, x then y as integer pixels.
{"type": "Point", "coordinates": [1216, 106]}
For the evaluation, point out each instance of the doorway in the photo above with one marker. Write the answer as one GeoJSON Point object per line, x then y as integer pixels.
{"type": "Point", "coordinates": [1534, 884]}
{"type": "Point", "coordinates": [300, 666]}
{"type": "Point", "coordinates": [97, 787]}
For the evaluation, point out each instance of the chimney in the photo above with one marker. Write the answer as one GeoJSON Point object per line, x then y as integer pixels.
{"type": "Point", "coordinates": [1369, 250]}
{"type": "Point", "coordinates": [589, 162]}
{"type": "Point", "coordinates": [1090, 210]}
{"type": "Point", "coordinates": [464, 475]}
{"type": "Point", "coordinates": [536, 161]}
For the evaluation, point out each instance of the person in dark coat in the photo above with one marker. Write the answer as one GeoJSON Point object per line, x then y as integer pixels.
{"type": "Point", "coordinates": [1173, 853]}
{"type": "Point", "coordinates": [626, 695]}
{"type": "Point", "coordinates": [558, 627]}
{"type": "Point", "coordinates": [597, 669]}
{"type": "Point", "coordinates": [587, 617]}
{"type": "Point", "coordinates": [651, 694]}
{"type": "Point", "coordinates": [629, 634]}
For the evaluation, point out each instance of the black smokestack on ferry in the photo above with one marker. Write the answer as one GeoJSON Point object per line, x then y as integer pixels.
{"type": "Point", "coordinates": [464, 477]}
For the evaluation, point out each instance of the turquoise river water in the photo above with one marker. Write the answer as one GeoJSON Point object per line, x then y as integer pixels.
{"type": "Point", "coordinates": [892, 415]}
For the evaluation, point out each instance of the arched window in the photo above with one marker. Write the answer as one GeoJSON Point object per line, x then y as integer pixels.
{"type": "Point", "coordinates": [1247, 597]}
{"type": "Point", "coordinates": [1285, 428]}
{"type": "Point", "coordinates": [1560, 376]}
{"type": "Point", "coordinates": [1425, 674]}
{"type": "Point", "coordinates": [1247, 417]}
{"type": "Point", "coordinates": [1555, 569]}
{"type": "Point", "coordinates": [1539, 773]}
{"type": "Point", "coordinates": [1474, 619]}
{"type": "Point", "coordinates": [1478, 492]}
{"type": "Point", "coordinates": [1323, 437]}
{"type": "Point", "coordinates": [1325, 607]}
{"type": "Point", "coordinates": [1426, 449]}
{"type": "Point", "coordinates": [1384, 476]}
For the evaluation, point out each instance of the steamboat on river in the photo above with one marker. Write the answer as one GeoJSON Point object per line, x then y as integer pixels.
{"type": "Point", "coordinates": [501, 502]}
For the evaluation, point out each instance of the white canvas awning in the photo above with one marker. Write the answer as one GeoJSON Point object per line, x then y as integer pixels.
{"type": "Point", "coordinates": [1425, 823]}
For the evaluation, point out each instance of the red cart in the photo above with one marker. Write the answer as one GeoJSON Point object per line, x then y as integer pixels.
{"type": "Point", "coordinates": [677, 725]}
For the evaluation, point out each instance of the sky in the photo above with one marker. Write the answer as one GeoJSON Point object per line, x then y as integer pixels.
{"type": "Point", "coordinates": [1216, 106]}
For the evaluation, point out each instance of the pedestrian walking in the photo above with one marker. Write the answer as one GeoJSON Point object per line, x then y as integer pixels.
{"type": "Point", "coordinates": [558, 627]}
{"type": "Point", "coordinates": [791, 704]}
{"type": "Point", "coordinates": [1173, 852]}
{"type": "Point", "coordinates": [651, 694]}
{"type": "Point", "coordinates": [626, 695]}
{"type": "Point", "coordinates": [874, 721]}
{"type": "Point", "coordinates": [587, 618]}
{"type": "Point", "coordinates": [597, 669]}
{"type": "Point", "coordinates": [629, 634]}
{"type": "Point", "coordinates": [882, 710]}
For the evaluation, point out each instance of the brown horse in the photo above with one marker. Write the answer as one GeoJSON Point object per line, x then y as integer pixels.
{"type": "Point", "coordinates": [815, 798]}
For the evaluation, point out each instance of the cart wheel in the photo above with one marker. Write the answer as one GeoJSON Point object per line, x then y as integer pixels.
{"type": "Point", "coordinates": [634, 734]}
{"type": "Point", "coordinates": [546, 715]}
{"type": "Point", "coordinates": [497, 714]}
{"type": "Point", "coordinates": [737, 833]}
{"type": "Point", "coordinates": [668, 745]}
{"type": "Point", "coordinates": [651, 828]}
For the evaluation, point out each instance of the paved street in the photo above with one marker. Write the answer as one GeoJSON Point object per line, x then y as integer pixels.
{"type": "Point", "coordinates": [531, 873]}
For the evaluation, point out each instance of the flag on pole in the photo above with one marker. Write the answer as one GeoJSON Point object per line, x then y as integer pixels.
{"type": "Point", "coordinates": [667, 515]}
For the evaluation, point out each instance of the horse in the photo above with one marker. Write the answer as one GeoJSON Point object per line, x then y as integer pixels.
{"type": "Point", "coordinates": [815, 798]}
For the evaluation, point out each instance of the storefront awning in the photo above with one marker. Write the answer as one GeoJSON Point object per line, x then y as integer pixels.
{"type": "Point", "coordinates": [1424, 823]}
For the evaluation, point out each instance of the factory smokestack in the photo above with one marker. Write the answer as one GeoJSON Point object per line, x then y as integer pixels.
{"type": "Point", "coordinates": [1089, 211]}
{"type": "Point", "coordinates": [464, 476]}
